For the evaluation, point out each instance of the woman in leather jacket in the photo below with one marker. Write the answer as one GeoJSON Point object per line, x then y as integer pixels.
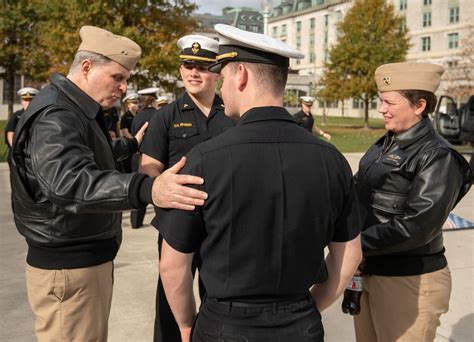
{"type": "Point", "coordinates": [407, 184]}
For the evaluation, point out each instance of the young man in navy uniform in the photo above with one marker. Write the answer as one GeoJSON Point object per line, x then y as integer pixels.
{"type": "Point", "coordinates": [277, 197]}
{"type": "Point", "coordinates": [26, 95]}
{"type": "Point", "coordinates": [195, 117]}
{"type": "Point", "coordinates": [305, 119]}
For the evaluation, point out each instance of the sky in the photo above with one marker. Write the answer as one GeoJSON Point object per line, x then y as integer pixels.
{"type": "Point", "coordinates": [215, 6]}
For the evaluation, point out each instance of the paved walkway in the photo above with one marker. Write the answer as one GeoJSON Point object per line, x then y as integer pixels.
{"type": "Point", "coordinates": [136, 275]}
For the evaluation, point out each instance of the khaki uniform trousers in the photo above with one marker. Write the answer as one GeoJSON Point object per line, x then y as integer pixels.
{"type": "Point", "coordinates": [403, 308]}
{"type": "Point", "coordinates": [71, 304]}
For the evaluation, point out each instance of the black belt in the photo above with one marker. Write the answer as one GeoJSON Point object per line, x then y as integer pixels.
{"type": "Point", "coordinates": [277, 303]}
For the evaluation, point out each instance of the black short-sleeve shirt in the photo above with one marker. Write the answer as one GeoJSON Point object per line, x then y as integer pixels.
{"type": "Point", "coordinates": [126, 121]}
{"type": "Point", "coordinates": [180, 126]}
{"type": "Point", "coordinates": [12, 122]}
{"type": "Point", "coordinates": [277, 196]}
{"type": "Point", "coordinates": [305, 121]}
{"type": "Point", "coordinates": [142, 116]}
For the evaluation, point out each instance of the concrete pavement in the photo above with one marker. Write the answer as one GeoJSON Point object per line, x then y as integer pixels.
{"type": "Point", "coordinates": [132, 312]}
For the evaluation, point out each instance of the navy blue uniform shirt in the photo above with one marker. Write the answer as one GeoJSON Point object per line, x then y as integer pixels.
{"type": "Point", "coordinates": [180, 126]}
{"type": "Point", "coordinates": [277, 196]}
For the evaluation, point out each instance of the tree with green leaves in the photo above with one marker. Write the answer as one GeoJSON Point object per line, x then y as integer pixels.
{"type": "Point", "coordinates": [20, 50]}
{"type": "Point", "coordinates": [371, 34]}
{"type": "Point", "coordinates": [41, 36]}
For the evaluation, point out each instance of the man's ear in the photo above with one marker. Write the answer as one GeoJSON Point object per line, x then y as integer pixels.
{"type": "Point", "coordinates": [86, 66]}
{"type": "Point", "coordinates": [242, 77]}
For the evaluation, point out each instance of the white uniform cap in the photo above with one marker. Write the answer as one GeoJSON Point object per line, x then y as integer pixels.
{"type": "Point", "coordinates": [239, 45]}
{"type": "Point", "coordinates": [27, 93]}
{"type": "Point", "coordinates": [162, 100]}
{"type": "Point", "coordinates": [198, 49]}
{"type": "Point", "coordinates": [149, 91]}
{"type": "Point", "coordinates": [309, 100]}
{"type": "Point", "coordinates": [133, 97]}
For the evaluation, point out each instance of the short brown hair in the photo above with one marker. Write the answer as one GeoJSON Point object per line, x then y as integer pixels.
{"type": "Point", "coordinates": [271, 77]}
{"type": "Point", "coordinates": [413, 96]}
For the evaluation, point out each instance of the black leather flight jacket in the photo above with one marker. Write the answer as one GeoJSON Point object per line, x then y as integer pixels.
{"type": "Point", "coordinates": [65, 187]}
{"type": "Point", "coordinates": [407, 185]}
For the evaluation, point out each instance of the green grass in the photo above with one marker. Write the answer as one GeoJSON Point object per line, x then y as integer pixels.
{"type": "Point", "coordinates": [348, 134]}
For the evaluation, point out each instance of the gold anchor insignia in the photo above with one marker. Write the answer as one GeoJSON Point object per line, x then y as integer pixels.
{"type": "Point", "coordinates": [387, 80]}
{"type": "Point", "coordinates": [195, 47]}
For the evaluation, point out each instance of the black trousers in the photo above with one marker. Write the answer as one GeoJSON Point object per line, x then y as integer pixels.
{"type": "Point", "coordinates": [166, 329]}
{"type": "Point", "coordinates": [297, 321]}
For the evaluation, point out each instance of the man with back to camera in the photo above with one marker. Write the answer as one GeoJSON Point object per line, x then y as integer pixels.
{"type": "Point", "coordinates": [277, 197]}
{"type": "Point", "coordinates": [305, 119]}
{"type": "Point", "coordinates": [66, 192]}
{"type": "Point", "coordinates": [26, 96]}
{"type": "Point", "coordinates": [193, 118]}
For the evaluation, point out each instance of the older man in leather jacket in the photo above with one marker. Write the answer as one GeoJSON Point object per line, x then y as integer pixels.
{"type": "Point", "coordinates": [67, 195]}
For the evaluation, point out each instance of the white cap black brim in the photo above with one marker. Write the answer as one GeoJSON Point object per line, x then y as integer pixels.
{"type": "Point", "coordinates": [239, 45]}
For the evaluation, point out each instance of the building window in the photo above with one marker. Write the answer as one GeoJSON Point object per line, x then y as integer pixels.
{"type": "Point", "coordinates": [454, 15]}
{"type": "Point", "coordinates": [452, 64]}
{"type": "Point", "coordinates": [254, 28]}
{"type": "Point", "coordinates": [326, 20]}
{"type": "Point", "coordinates": [373, 103]}
{"type": "Point", "coordinates": [453, 40]}
{"type": "Point", "coordinates": [298, 43]}
{"type": "Point", "coordinates": [312, 57]}
{"type": "Point", "coordinates": [402, 5]}
{"type": "Point", "coordinates": [312, 23]}
{"type": "Point", "coordinates": [275, 32]}
{"type": "Point", "coordinates": [298, 26]}
{"type": "Point", "coordinates": [311, 40]}
{"type": "Point", "coordinates": [426, 2]}
{"type": "Point", "coordinates": [425, 43]}
{"type": "Point", "coordinates": [283, 30]}
{"type": "Point", "coordinates": [242, 26]}
{"type": "Point", "coordinates": [357, 104]}
{"type": "Point", "coordinates": [426, 19]}
{"type": "Point", "coordinates": [338, 15]}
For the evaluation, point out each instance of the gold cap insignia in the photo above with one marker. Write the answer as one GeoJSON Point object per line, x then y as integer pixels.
{"type": "Point", "coordinates": [387, 80]}
{"type": "Point", "coordinates": [195, 47]}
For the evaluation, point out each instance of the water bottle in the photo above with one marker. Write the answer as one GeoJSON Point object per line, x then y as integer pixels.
{"type": "Point", "coordinates": [352, 294]}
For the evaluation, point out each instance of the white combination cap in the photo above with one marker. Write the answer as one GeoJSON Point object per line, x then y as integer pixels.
{"type": "Point", "coordinates": [133, 97]}
{"type": "Point", "coordinates": [198, 49]}
{"type": "Point", "coordinates": [239, 45]}
{"type": "Point", "coordinates": [162, 100]}
{"type": "Point", "coordinates": [307, 99]}
{"type": "Point", "coordinates": [27, 93]}
{"type": "Point", "coordinates": [149, 91]}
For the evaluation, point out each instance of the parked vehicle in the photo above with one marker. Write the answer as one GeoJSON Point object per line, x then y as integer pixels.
{"type": "Point", "coordinates": [453, 123]}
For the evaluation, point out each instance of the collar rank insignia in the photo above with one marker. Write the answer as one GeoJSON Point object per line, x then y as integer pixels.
{"type": "Point", "coordinates": [185, 105]}
{"type": "Point", "coordinates": [195, 47]}
{"type": "Point", "coordinates": [387, 80]}
{"type": "Point", "coordinates": [394, 157]}
{"type": "Point", "coordinates": [222, 105]}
